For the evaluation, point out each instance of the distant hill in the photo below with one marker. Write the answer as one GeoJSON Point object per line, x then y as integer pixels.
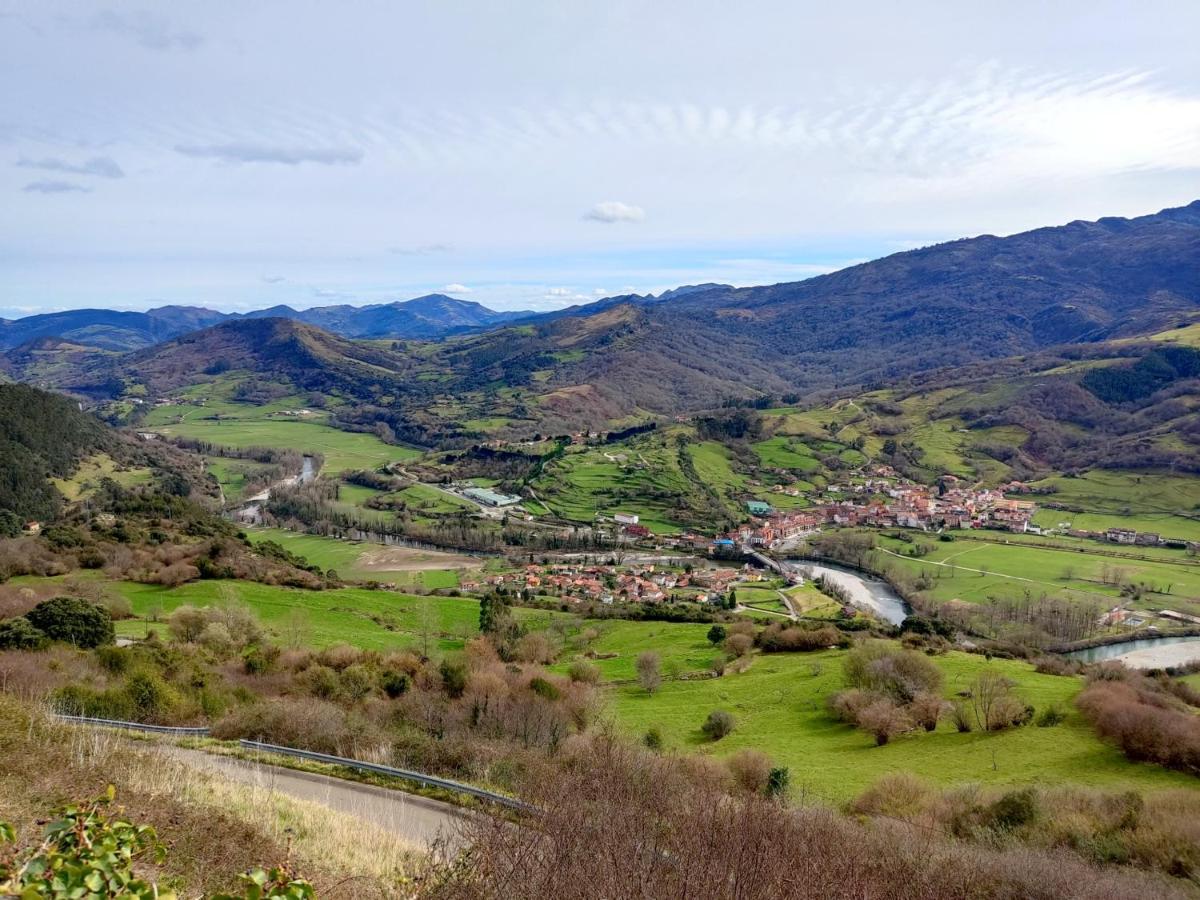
{"type": "Point", "coordinates": [972, 302]}
{"type": "Point", "coordinates": [431, 316]}
{"type": "Point", "coordinates": [947, 305]}
{"type": "Point", "coordinates": [107, 329]}
{"type": "Point", "coordinates": [423, 318]}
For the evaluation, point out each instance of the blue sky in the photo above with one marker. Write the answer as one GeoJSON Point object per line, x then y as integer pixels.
{"type": "Point", "coordinates": [534, 155]}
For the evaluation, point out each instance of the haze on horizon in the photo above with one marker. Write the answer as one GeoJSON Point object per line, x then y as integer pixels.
{"type": "Point", "coordinates": [536, 155]}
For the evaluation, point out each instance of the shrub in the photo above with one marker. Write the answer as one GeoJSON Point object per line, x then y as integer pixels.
{"type": "Point", "coordinates": [653, 739]}
{"type": "Point", "coordinates": [884, 720]}
{"type": "Point", "coordinates": [716, 634]}
{"type": "Point", "coordinates": [926, 709]}
{"type": "Point", "coordinates": [544, 688]}
{"type": "Point", "coordinates": [882, 668]}
{"type": "Point", "coordinates": [960, 715]}
{"type": "Point", "coordinates": [751, 770]}
{"type": "Point", "coordinates": [845, 706]}
{"type": "Point", "coordinates": [21, 634]}
{"type": "Point", "coordinates": [1147, 724]}
{"type": "Point", "coordinates": [778, 780]}
{"type": "Point", "coordinates": [738, 644]}
{"type": "Point", "coordinates": [1050, 716]}
{"type": "Point", "coordinates": [1013, 810]}
{"type": "Point", "coordinates": [718, 724]}
{"type": "Point", "coordinates": [454, 677]}
{"type": "Point", "coordinates": [583, 672]}
{"type": "Point", "coordinates": [787, 638]}
{"type": "Point", "coordinates": [75, 621]}
{"type": "Point", "coordinates": [996, 706]}
{"type": "Point", "coordinates": [394, 683]}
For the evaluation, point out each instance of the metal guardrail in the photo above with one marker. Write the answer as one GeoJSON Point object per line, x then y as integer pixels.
{"type": "Point", "coordinates": [418, 777]}
{"type": "Point", "coordinates": [134, 726]}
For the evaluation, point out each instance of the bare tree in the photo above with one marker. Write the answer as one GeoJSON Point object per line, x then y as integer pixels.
{"type": "Point", "coordinates": [649, 671]}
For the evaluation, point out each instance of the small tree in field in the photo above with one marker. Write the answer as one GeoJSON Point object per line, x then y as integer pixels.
{"type": "Point", "coordinates": [649, 671]}
{"type": "Point", "coordinates": [885, 720]}
{"type": "Point", "coordinates": [716, 634]}
{"type": "Point", "coordinates": [718, 724]}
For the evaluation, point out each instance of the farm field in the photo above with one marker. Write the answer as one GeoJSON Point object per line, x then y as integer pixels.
{"type": "Point", "coordinates": [1166, 504]}
{"type": "Point", "coordinates": [643, 476]}
{"type": "Point", "coordinates": [975, 570]}
{"type": "Point", "coordinates": [369, 561]}
{"type": "Point", "coordinates": [343, 450]}
{"type": "Point", "coordinates": [87, 477]}
{"type": "Point", "coordinates": [373, 620]}
{"type": "Point", "coordinates": [779, 707]}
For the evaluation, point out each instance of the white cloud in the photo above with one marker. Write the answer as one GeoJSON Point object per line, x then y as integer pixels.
{"type": "Point", "coordinates": [455, 288]}
{"type": "Point", "coordinates": [615, 211]}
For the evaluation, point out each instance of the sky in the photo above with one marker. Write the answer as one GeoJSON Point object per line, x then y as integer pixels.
{"type": "Point", "coordinates": [531, 155]}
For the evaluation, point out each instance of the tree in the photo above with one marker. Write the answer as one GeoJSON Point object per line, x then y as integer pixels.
{"type": "Point", "coordinates": [884, 720]}
{"type": "Point", "coordinates": [716, 634]}
{"type": "Point", "coordinates": [649, 671]}
{"type": "Point", "coordinates": [996, 706]}
{"type": "Point", "coordinates": [76, 621]}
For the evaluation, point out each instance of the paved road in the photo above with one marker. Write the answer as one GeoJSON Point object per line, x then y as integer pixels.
{"type": "Point", "coordinates": [418, 820]}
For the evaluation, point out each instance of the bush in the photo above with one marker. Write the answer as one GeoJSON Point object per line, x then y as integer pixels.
{"type": "Point", "coordinates": [1050, 716]}
{"type": "Point", "coordinates": [718, 724]}
{"type": "Point", "coordinates": [454, 677]}
{"type": "Point", "coordinates": [73, 620]}
{"type": "Point", "coordinates": [751, 770]}
{"type": "Point", "coordinates": [884, 720]}
{"type": "Point", "coordinates": [787, 638]}
{"type": "Point", "coordinates": [996, 706]}
{"type": "Point", "coordinates": [738, 645]}
{"type": "Point", "coordinates": [583, 672]}
{"type": "Point", "coordinates": [21, 634]}
{"type": "Point", "coordinates": [716, 634]}
{"type": "Point", "coordinates": [926, 709]}
{"type": "Point", "coordinates": [394, 683]}
{"type": "Point", "coordinates": [653, 739]}
{"type": "Point", "coordinates": [883, 668]}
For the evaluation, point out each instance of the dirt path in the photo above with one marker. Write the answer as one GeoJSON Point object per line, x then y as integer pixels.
{"type": "Point", "coordinates": [417, 820]}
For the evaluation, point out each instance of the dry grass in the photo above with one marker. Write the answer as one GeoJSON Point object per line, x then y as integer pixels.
{"type": "Point", "coordinates": [214, 828]}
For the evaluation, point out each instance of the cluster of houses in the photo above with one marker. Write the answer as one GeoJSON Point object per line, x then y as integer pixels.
{"type": "Point", "coordinates": [620, 584]}
{"type": "Point", "coordinates": [885, 501]}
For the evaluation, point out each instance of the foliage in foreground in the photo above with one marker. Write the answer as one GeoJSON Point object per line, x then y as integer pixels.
{"type": "Point", "coordinates": [86, 854]}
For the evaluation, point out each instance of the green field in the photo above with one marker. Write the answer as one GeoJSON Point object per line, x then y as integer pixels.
{"type": "Point", "coordinates": [974, 570]}
{"type": "Point", "coordinates": [427, 567]}
{"type": "Point", "coordinates": [646, 476]}
{"type": "Point", "coordinates": [343, 450]}
{"type": "Point", "coordinates": [88, 475]}
{"type": "Point", "coordinates": [1168, 505]}
{"type": "Point", "coordinates": [779, 705]}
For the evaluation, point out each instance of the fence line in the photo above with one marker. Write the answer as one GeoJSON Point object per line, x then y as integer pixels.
{"type": "Point", "coordinates": [133, 726]}
{"type": "Point", "coordinates": [419, 777]}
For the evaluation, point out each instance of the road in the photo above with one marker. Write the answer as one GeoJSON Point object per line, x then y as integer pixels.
{"type": "Point", "coordinates": [417, 820]}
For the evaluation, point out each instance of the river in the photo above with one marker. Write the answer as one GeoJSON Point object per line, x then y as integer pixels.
{"type": "Point", "coordinates": [1144, 653]}
{"type": "Point", "coordinates": [251, 512]}
{"type": "Point", "coordinates": [864, 591]}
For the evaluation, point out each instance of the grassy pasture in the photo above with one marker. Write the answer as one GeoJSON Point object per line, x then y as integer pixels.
{"type": "Point", "coordinates": [1145, 501]}
{"type": "Point", "coordinates": [974, 570]}
{"type": "Point", "coordinates": [86, 478]}
{"type": "Point", "coordinates": [779, 707]}
{"type": "Point", "coordinates": [375, 620]}
{"type": "Point", "coordinates": [343, 450]}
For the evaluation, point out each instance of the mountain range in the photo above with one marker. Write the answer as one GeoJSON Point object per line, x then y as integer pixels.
{"type": "Point", "coordinates": [431, 316]}
{"type": "Point", "coordinates": [955, 304]}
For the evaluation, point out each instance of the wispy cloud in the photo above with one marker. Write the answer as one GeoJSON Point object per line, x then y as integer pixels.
{"type": "Point", "coordinates": [455, 288]}
{"type": "Point", "coordinates": [272, 279]}
{"type": "Point", "coordinates": [101, 166]}
{"type": "Point", "coordinates": [421, 249]}
{"type": "Point", "coordinates": [55, 187]}
{"type": "Point", "coordinates": [264, 153]}
{"type": "Point", "coordinates": [147, 29]}
{"type": "Point", "coordinates": [611, 211]}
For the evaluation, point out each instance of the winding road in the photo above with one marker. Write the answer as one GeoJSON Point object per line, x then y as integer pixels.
{"type": "Point", "coordinates": [417, 820]}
